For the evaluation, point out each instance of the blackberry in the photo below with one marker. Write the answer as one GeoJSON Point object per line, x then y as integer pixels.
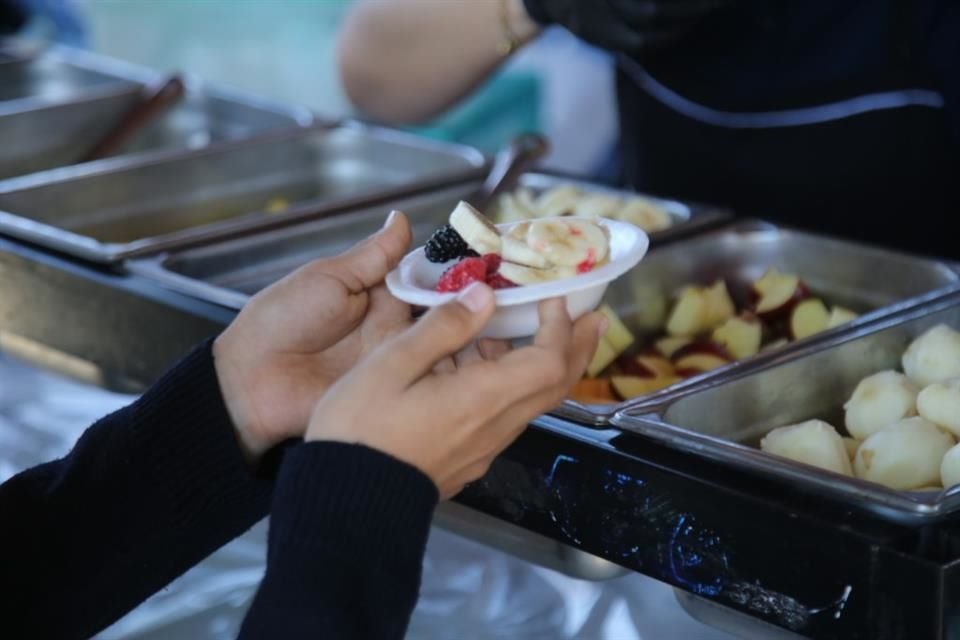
{"type": "Point", "coordinates": [446, 244]}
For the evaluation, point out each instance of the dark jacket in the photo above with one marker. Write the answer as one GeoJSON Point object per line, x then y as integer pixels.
{"type": "Point", "coordinates": [154, 488]}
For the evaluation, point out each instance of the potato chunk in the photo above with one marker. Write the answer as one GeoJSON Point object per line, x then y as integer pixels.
{"type": "Point", "coordinates": [940, 404]}
{"type": "Point", "coordinates": [933, 357]}
{"type": "Point", "coordinates": [879, 401]}
{"type": "Point", "coordinates": [813, 442]}
{"type": "Point", "coordinates": [950, 468]}
{"type": "Point", "coordinates": [905, 455]}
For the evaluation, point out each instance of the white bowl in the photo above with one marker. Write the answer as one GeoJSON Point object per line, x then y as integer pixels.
{"type": "Point", "coordinates": [415, 279]}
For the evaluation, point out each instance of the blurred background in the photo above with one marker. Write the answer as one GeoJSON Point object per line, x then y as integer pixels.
{"type": "Point", "coordinates": [284, 50]}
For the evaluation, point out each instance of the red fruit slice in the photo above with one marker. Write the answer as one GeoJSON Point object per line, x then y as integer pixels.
{"type": "Point", "coordinates": [461, 274]}
{"type": "Point", "coordinates": [589, 263]}
{"type": "Point", "coordinates": [492, 261]}
{"type": "Point", "coordinates": [497, 281]}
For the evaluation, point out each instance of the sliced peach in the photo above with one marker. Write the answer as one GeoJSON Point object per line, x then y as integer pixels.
{"type": "Point", "coordinates": [669, 345]}
{"type": "Point", "coordinates": [688, 316]}
{"type": "Point", "coordinates": [656, 366]}
{"type": "Point", "coordinates": [777, 293]}
{"type": "Point", "coordinates": [775, 344]}
{"type": "Point", "coordinates": [617, 333]}
{"type": "Point", "coordinates": [839, 316]}
{"type": "Point", "coordinates": [593, 391]}
{"type": "Point", "coordinates": [697, 363]}
{"type": "Point", "coordinates": [740, 335]}
{"type": "Point", "coordinates": [708, 347]}
{"type": "Point", "coordinates": [629, 387]}
{"type": "Point", "coordinates": [720, 305]}
{"type": "Point", "coordinates": [808, 317]}
{"type": "Point", "coordinates": [603, 357]}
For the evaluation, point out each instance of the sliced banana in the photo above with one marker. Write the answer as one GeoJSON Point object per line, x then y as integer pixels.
{"type": "Point", "coordinates": [568, 243]}
{"type": "Point", "coordinates": [597, 205]}
{"type": "Point", "coordinates": [517, 251]}
{"type": "Point", "coordinates": [519, 231]}
{"type": "Point", "coordinates": [644, 214]}
{"type": "Point", "coordinates": [521, 274]}
{"type": "Point", "coordinates": [559, 201]}
{"type": "Point", "coordinates": [478, 232]}
{"type": "Point", "coordinates": [515, 207]}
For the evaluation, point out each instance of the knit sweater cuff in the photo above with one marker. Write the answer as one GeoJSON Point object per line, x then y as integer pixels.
{"type": "Point", "coordinates": [349, 499]}
{"type": "Point", "coordinates": [183, 425]}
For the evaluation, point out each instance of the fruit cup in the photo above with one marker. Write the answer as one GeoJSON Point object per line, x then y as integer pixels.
{"type": "Point", "coordinates": [415, 279]}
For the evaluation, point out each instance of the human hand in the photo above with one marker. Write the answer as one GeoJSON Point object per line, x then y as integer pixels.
{"type": "Point", "coordinates": [450, 422]}
{"type": "Point", "coordinates": [623, 26]}
{"type": "Point", "coordinates": [294, 339]}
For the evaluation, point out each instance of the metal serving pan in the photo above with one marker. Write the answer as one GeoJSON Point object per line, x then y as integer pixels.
{"type": "Point", "coordinates": [49, 107]}
{"type": "Point", "coordinates": [207, 115]}
{"type": "Point", "coordinates": [722, 419]}
{"type": "Point", "coordinates": [50, 79]}
{"type": "Point", "coordinates": [107, 211]}
{"type": "Point", "coordinates": [229, 273]}
{"type": "Point", "coordinates": [867, 280]}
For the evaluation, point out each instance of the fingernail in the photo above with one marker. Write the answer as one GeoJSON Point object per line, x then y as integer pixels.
{"type": "Point", "coordinates": [602, 326]}
{"type": "Point", "coordinates": [390, 219]}
{"type": "Point", "coordinates": [474, 297]}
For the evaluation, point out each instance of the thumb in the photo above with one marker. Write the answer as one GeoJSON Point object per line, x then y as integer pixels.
{"type": "Point", "coordinates": [441, 333]}
{"type": "Point", "coordinates": [368, 263]}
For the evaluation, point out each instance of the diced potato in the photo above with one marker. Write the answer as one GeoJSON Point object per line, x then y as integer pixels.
{"type": "Point", "coordinates": [813, 442]}
{"type": "Point", "coordinates": [940, 404]}
{"type": "Point", "coordinates": [905, 455]}
{"type": "Point", "coordinates": [950, 468]}
{"type": "Point", "coordinates": [933, 357]}
{"type": "Point", "coordinates": [879, 401]}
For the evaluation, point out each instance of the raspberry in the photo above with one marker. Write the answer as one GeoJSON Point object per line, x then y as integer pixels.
{"type": "Point", "coordinates": [497, 281]}
{"type": "Point", "coordinates": [461, 274]}
{"type": "Point", "coordinates": [493, 262]}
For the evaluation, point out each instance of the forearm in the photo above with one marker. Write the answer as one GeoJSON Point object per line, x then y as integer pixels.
{"type": "Point", "coordinates": [404, 61]}
{"type": "Point", "coordinates": [348, 530]}
{"type": "Point", "coordinates": [145, 494]}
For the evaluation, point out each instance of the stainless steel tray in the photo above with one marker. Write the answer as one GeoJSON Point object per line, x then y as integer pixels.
{"type": "Point", "coordinates": [49, 107]}
{"type": "Point", "coordinates": [51, 79]}
{"type": "Point", "coordinates": [229, 273]}
{"type": "Point", "coordinates": [865, 279]}
{"type": "Point", "coordinates": [207, 115]}
{"type": "Point", "coordinates": [211, 114]}
{"type": "Point", "coordinates": [721, 419]}
{"type": "Point", "coordinates": [110, 210]}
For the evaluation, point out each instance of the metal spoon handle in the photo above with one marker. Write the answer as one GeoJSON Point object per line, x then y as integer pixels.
{"type": "Point", "coordinates": [153, 102]}
{"type": "Point", "coordinates": [509, 163]}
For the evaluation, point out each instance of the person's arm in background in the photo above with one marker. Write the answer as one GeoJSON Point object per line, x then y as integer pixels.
{"type": "Point", "coordinates": [405, 61]}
